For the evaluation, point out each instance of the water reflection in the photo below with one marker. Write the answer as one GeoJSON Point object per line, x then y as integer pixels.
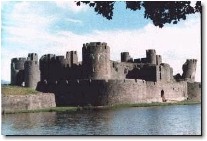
{"type": "Point", "coordinates": [169, 120]}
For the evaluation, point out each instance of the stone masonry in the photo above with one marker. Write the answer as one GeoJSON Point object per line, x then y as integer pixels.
{"type": "Point", "coordinates": [97, 80]}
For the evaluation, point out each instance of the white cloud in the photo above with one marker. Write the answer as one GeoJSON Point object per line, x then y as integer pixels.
{"type": "Point", "coordinates": [174, 43]}
{"type": "Point", "coordinates": [25, 15]}
{"type": "Point", "coordinates": [74, 21]}
{"type": "Point", "coordinates": [71, 5]}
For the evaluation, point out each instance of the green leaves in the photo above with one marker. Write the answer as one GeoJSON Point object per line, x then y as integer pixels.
{"type": "Point", "coordinates": [160, 12]}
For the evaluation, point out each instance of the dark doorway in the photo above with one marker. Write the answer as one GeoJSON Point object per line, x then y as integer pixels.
{"type": "Point", "coordinates": [163, 96]}
{"type": "Point", "coordinates": [162, 93]}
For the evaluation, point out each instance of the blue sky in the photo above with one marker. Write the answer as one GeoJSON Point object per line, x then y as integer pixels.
{"type": "Point", "coordinates": [58, 26]}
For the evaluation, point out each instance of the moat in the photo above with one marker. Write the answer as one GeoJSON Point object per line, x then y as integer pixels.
{"type": "Point", "coordinates": [165, 120]}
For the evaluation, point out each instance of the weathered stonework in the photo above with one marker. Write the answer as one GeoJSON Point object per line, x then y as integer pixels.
{"type": "Point", "coordinates": [28, 102]}
{"type": "Point", "coordinates": [194, 91]}
{"type": "Point", "coordinates": [97, 80]}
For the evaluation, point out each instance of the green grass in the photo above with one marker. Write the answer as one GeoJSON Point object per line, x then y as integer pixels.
{"type": "Point", "coordinates": [53, 109]}
{"type": "Point", "coordinates": [74, 109]}
{"type": "Point", "coordinates": [16, 90]}
{"type": "Point", "coordinates": [154, 104]}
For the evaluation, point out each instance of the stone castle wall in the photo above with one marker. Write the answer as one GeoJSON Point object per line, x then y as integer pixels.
{"type": "Point", "coordinates": [97, 80]}
{"type": "Point", "coordinates": [194, 91]}
{"type": "Point", "coordinates": [111, 92]}
{"type": "Point", "coordinates": [14, 103]}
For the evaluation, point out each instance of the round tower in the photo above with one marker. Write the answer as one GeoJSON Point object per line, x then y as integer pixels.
{"type": "Point", "coordinates": [96, 60]}
{"type": "Point", "coordinates": [151, 56]}
{"type": "Point", "coordinates": [125, 57]}
{"type": "Point", "coordinates": [17, 71]}
{"type": "Point", "coordinates": [189, 70]}
{"type": "Point", "coordinates": [32, 72]}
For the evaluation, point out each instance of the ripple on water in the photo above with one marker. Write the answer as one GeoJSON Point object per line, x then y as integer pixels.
{"type": "Point", "coordinates": [167, 120]}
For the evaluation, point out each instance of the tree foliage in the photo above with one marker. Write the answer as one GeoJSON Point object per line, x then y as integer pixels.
{"type": "Point", "coordinates": [160, 12]}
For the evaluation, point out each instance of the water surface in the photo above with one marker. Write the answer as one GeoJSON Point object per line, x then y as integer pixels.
{"type": "Point", "coordinates": [166, 120]}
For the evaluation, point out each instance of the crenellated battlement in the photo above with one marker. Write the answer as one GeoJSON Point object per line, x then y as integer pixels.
{"type": "Point", "coordinates": [18, 59]}
{"type": "Point", "coordinates": [95, 45]}
{"type": "Point", "coordinates": [32, 57]}
{"type": "Point", "coordinates": [194, 61]}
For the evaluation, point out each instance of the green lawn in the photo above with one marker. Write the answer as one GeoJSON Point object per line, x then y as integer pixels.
{"type": "Point", "coordinates": [16, 90]}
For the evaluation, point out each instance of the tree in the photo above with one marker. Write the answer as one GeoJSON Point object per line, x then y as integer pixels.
{"type": "Point", "coordinates": [160, 12]}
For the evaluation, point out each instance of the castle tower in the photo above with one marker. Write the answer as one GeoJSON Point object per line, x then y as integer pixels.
{"type": "Point", "coordinates": [158, 59]}
{"type": "Point", "coordinates": [72, 56]}
{"type": "Point", "coordinates": [17, 71]}
{"type": "Point", "coordinates": [189, 70]}
{"type": "Point", "coordinates": [56, 69]}
{"type": "Point", "coordinates": [125, 57]}
{"type": "Point", "coordinates": [96, 60]}
{"type": "Point", "coordinates": [32, 72]}
{"type": "Point", "coordinates": [46, 65]}
{"type": "Point", "coordinates": [151, 56]}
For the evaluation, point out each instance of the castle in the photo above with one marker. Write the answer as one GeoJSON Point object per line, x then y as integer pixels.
{"type": "Point", "coordinates": [97, 80]}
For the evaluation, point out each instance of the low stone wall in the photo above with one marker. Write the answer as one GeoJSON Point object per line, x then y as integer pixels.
{"type": "Point", "coordinates": [14, 103]}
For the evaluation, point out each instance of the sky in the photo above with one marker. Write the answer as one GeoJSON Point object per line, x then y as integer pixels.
{"type": "Point", "coordinates": [59, 26]}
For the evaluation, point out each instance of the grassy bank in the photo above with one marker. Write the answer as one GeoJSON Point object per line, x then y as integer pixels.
{"type": "Point", "coordinates": [155, 104]}
{"type": "Point", "coordinates": [16, 90]}
{"type": "Point", "coordinates": [54, 109]}
{"type": "Point", "coordinates": [74, 109]}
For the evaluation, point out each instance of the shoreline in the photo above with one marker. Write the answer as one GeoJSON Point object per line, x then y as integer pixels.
{"type": "Point", "coordinates": [111, 107]}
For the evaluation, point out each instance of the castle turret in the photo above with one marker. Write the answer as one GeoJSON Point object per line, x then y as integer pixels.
{"type": "Point", "coordinates": [72, 56]}
{"type": "Point", "coordinates": [151, 56]}
{"type": "Point", "coordinates": [125, 57]}
{"type": "Point", "coordinates": [189, 70]}
{"type": "Point", "coordinates": [46, 65]}
{"type": "Point", "coordinates": [158, 59]}
{"type": "Point", "coordinates": [17, 71]}
{"type": "Point", "coordinates": [96, 60]}
{"type": "Point", "coordinates": [56, 69]}
{"type": "Point", "coordinates": [32, 72]}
